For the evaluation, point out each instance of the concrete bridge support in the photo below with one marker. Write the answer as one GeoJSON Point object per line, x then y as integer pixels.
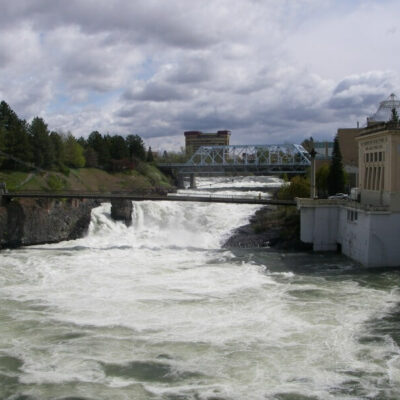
{"type": "Point", "coordinates": [181, 181]}
{"type": "Point", "coordinates": [193, 181]}
{"type": "Point", "coordinates": [121, 210]}
{"type": "Point", "coordinates": [3, 190]}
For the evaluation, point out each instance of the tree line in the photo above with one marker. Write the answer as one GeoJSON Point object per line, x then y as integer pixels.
{"type": "Point", "coordinates": [330, 178]}
{"type": "Point", "coordinates": [35, 144]}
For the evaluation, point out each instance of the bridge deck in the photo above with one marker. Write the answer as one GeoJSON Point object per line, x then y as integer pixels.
{"type": "Point", "coordinates": [151, 197]}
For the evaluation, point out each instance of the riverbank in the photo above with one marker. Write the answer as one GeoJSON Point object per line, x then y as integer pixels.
{"type": "Point", "coordinates": [270, 227]}
{"type": "Point", "coordinates": [25, 222]}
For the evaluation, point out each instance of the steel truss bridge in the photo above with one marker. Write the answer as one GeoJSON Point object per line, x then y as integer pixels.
{"type": "Point", "coordinates": [258, 159]}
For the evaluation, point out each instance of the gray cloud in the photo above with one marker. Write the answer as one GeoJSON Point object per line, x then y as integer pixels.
{"type": "Point", "coordinates": [158, 68]}
{"type": "Point", "coordinates": [156, 91]}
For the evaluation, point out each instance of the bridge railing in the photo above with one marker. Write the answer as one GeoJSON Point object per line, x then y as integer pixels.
{"type": "Point", "coordinates": [151, 191]}
{"type": "Point", "coordinates": [258, 196]}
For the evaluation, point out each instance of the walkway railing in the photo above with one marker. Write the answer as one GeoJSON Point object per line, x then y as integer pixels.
{"type": "Point", "coordinates": [102, 196]}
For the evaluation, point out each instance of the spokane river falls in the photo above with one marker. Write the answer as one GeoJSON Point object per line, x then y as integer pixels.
{"type": "Point", "coordinates": [160, 310]}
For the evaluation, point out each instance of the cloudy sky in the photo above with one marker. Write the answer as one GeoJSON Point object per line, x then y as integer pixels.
{"type": "Point", "coordinates": [271, 71]}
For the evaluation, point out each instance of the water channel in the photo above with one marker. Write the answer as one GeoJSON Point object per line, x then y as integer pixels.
{"type": "Point", "coordinates": [160, 310]}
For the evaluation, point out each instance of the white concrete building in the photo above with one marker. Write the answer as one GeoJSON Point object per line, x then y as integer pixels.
{"type": "Point", "coordinates": [367, 231]}
{"type": "Point", "coordinates": [369, 235]}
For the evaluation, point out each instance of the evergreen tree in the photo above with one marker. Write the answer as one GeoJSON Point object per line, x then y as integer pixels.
{"type": "Point", "coordinates": [336, 176]}
{"type": "Point", "coordinates": [100, 145]}
{"type": "Point", "coordinates": [308, 144]}
{"type": "Point", "coordinates": [58, 147]}
{"type": "Point", "coordinates": [15, 139]}
{"type": "Point", "coordinates": [136, 147]}
{"type": "Point", "coordinates": [42, 145]}
{"type": "Point", "coordinates": [91, 158]}
{"type": "Point", "coordinates": [394, 120]}
{"type": "Point", "coordinates": [150, 157]}
{"type": "Point", "coordinates": [118, 148]}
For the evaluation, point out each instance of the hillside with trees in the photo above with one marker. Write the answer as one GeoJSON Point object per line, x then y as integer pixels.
{"type": "Point", "coordinates": [37, 146]}
{"type": "Point", "coordinates": [33, 157]}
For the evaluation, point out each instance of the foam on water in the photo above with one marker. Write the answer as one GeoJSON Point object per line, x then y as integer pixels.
{"type": "Point", "coordinates": [159, 310]}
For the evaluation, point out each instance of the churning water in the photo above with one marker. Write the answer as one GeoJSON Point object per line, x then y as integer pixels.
{"type": "Point", "coordinates": [160, 311]}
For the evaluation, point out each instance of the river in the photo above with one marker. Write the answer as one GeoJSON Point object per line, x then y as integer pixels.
{"type": "Point", "coordinates": [160, 310]}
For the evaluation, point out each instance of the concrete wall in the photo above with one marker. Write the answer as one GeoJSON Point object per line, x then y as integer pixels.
{"type": "Point", "coordinates": [371, 238]}
{"type": "Point", "coordinates": [319, 226]}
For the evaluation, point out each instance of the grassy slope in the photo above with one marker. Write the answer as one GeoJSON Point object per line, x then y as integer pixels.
{"type": "Point", "coordinates": [86, 179]}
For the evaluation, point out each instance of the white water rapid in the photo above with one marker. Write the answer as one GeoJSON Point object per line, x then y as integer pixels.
{"type": "Point", "coordinates": [159, 310]}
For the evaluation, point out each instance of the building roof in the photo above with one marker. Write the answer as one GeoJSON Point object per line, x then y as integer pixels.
{"type": "Point", "coordinates": [384, 112]}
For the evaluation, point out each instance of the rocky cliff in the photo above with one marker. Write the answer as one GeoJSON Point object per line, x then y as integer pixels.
{"type": "Point", "coordinates": [28, 221]}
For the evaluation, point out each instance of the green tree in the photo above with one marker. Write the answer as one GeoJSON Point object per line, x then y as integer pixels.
{"type": "Point", "coordinates": [118, 148]}
{"type": "Point", "coordinates": [136, 147]}
{"type": "Point", "coordinates": [321, 180]}
{"type": "Point", "coordinates": [42, 145]}
{"type": "Point", "coordinates": [58, 147]}
{"type": "Point", "coordinates": [299, 186]}
{"type": "Point", "coordinates": [91, 158]}
{"type": "Point", "coordinates": [101, 146]}
{"type": "Point", "coordinates": [394, 120]}
{"type": "Point", "coordinates": [15, 138]}
{"type": "Point", "coordinates": [336, 177]}
{"type": "Point", "coordinates": [73, 152]}
{"type": "Point", "coordinates": [149, 157]}
{"type": "Point", "coordinates": [308, 144]}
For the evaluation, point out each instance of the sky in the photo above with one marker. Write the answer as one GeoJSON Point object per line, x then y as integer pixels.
{"type": "Point", "coordinates": [270, 71]}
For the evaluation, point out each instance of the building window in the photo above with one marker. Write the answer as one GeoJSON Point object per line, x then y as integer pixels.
{"type": "Point", "coordinates": [369, 178]}
{"type": "Point", "coordinates": [374, 178]}
{"type": "Point", "coordinates": [352, 215]}
{"type": "Point", "coordinates": [378, 178]}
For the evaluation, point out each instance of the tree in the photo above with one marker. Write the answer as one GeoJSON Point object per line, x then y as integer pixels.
{"type": "Point", "coordinates": [299, 186]}
{"type": "Point", "coordinates": [118, 148]}
{"type": "Point", "coordinates": [73, 152]}
{"type": "Point", "coordinates": [15, 138]}
{"type": "Point", "coordinates": [42, 145]}
{"type": "Point", "coordinates": [336, 177]}
{"type": "Point", "coordinates": [149, 157]}
{"type": "Point", "coordinates": [101, 146]}
{"type": "Point", "coordinates": [58, 146]}
{"type": "Point", "coordinates": [321, 180]}
{"type": "Point", "coordinates": [394, 120]}
{"type": "Point", "coordinates": [136, 147]}
{"type": "Point", "coordinates": [308, 144]}
{"type": "Point", "coordinates": [91, 158]}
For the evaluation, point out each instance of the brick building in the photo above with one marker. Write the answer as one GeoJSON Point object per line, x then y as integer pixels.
{"type": "Point", "coordinates": [196, 139]}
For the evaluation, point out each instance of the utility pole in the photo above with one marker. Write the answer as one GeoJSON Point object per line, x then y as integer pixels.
{"type": "Point", "coordinates": [313, 153]}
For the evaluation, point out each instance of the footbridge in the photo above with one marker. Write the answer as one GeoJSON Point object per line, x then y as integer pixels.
{"type": "Point", "coordinates": [234, 159]}
{"type": "Point", "coordinates": [110, 197]}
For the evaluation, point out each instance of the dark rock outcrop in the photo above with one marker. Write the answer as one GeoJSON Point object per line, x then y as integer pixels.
{"type": "Point", "coordinates": [121, 210]}
{"type": "Point", "coordinates": [269, 228]}
{"type": "Point", "coordinates": [29, 221]}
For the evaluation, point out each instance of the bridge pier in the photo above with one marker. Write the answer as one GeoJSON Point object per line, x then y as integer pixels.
{"type": "Point", "coordinates": [193, 181]}
{"type": "Point", "coordinates": [181, 181]}
{"type": "Point", "coordinates": [3, 190]}
{"type": "Point", "coordinates": [121, 210]}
